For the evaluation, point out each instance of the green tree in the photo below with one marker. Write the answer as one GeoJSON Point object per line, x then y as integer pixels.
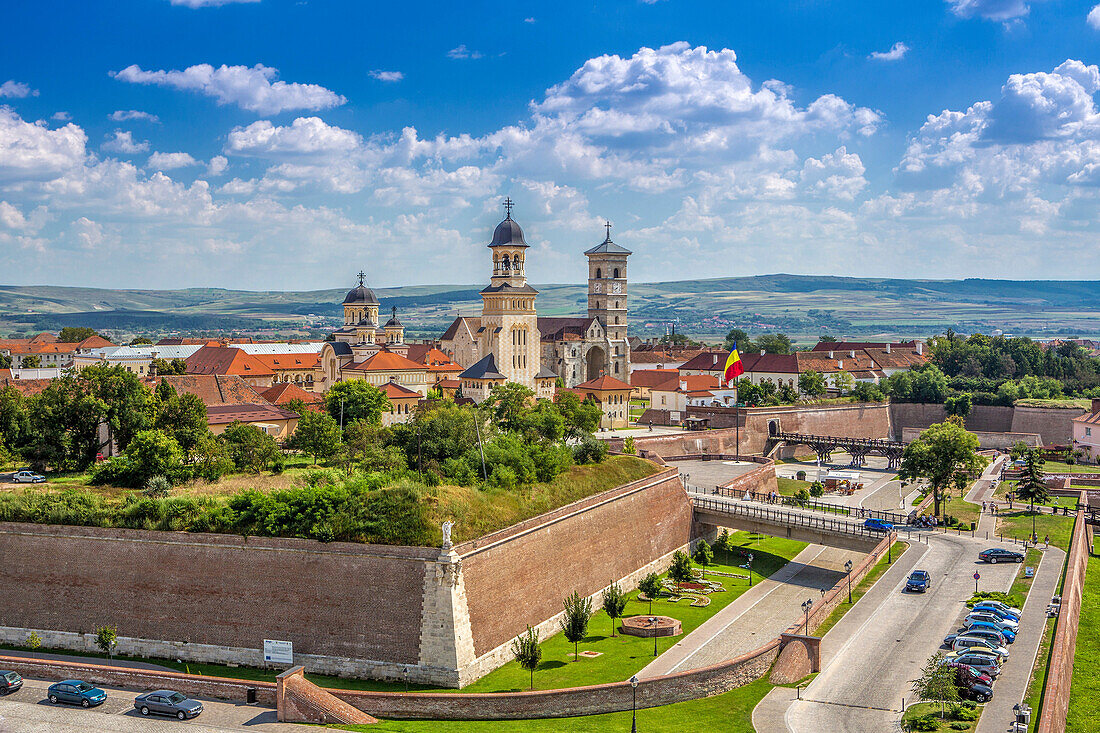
{"type": "Point", "coordinates": [13, 418]}
{"type": "Point", "coordinates": [945, 455]}
{"type": "Point", "coordinates": [1032, 488]}
{"type": "Point", "coordinates": [680, 570]}
{"type": "Point", "coordinates": [581, 418]}
{"type": "Point", "coordinates": [165, 367]}
{"type": "Point", "coordinates": [937, 682]}
{"type": "Point", "coordinates": [722, 544]}
{"type": "Point", "coordinates": [574, 623]}
{"type": "Point", "coordinates": [817, 489]}
{"type": "Point", "coordinates": [614, 603]}
{"type": "Point", "coordinates": [508, 403]}
{"type": "Point", "coordinates": [153, 453]}
{"type": "Point", "coordinates": [527, 652]}
{"type": "Point", "coordinates": [703, 556]}
{"type": "Point", "coordinates": [959, 405]}
{"type": "Point", "coordinates": [811, 383]}
{"type": "Point", "coordinates": [31, 361]}
{"type": "Point", "coordinates": [1019, 450]}
{"type": "Point", "coordinates": [75, 334]}
{"type": "Point", "coordinates": [359, 401]}
{"type": "Point", "coordinates": [250, 448]}
{"type": "Point", "coordinates": [651, 587]}
{"type": "Point", "coordinates": [106, 638]}
{"type": "Point", "coordinates": [843, 381]}
{"type": "Point", "coordinates": [318, 434]}
{"type": "Point", "coordinates": [740, 338]}
{"type": "Point", "coordinates": [140, 341]}
{"type": "Point", "coordinates": [130, 404]}
{"type": "Point", "coordinates": [628, 446]}
{"type": "Point", "coordinates": [867, 392]}
{"type": "Point", "coordinates": [181, 416]}
{"type": "Point", "coordinates": [5, 361]}
{"type": "Point", "coordinates": [774, 343]}
{"type": "Point", "coordinates": [210, 457]}
{"type": "Point", "coordinates": [63, 425]}
{"type": "Point", "coordinates": [34, 641]}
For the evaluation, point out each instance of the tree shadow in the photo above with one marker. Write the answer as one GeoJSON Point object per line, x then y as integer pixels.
{"type": "Point", "coordinates": [553, 664]}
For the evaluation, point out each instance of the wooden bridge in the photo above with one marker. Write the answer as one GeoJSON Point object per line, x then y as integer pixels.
{"type": "Point", "coordinates": [858, 448]}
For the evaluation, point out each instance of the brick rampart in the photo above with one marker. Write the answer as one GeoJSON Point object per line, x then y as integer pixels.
{"type": "Point", "coordinates": [300, 701]}
{"type": "Point", "coordinates": [142, 679]}
{"type": "Point", "coordinates": [1056, 692]}
{"type": "Point", "coordinates": [986, 441]}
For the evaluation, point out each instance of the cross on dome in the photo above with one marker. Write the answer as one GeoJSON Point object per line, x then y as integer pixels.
{"type": "Point", "coordinates": [508, 204]}
{"type": "Point", "coordinates": [607, 226]}
{"type": "Point", "coordinates": [362, 277]}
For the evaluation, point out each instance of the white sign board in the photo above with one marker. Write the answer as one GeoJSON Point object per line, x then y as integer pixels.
{"type": "Point", "coordinates": [674, 416]}
{"type": "Point", "coordinates": [278, 652]}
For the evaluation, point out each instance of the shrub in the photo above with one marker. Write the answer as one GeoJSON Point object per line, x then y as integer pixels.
{"type": "Point", "coordinates": [504, 477]}
{"type": "Point", "coordinates": [801, 496]}
{"type": "Point", "coordinates": [817, 489]}
{"type": "Point", "coordinates": [157, 487]}
{"type": "Point", "coordinates": [589, 450]}
{"type": "Point", "coordinates": [924, 723]}
{"type": "Point", "coordinates": [959, 726]}
{"type": "Point", "coordinates": [966, 711]}
{"type": "Point", "coordinates": [628, 446]}
{"type": "Point", "coordinates": [33, 640]}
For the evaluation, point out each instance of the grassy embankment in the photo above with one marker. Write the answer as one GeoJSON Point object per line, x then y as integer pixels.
{"type": "Point", "coordinates": [1084, 699]}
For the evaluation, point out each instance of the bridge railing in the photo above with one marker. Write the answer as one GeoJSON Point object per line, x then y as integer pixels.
{"type": "Point", "coordinates": [812, 505]}
{"type": "Point", "coordinates": [781, 517]}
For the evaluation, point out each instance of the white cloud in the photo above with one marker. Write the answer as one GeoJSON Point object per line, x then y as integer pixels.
{"type": "Point", "coordinates": [209, 3]}
{"type": "Point", "coordinates": [61, 116]}
{"type": "Point", "coordinates": [122, 141]}
{"type": "Point", "coordinates": [529, 20]}
{"type": "Point", "coordinates": [170, 161]}
{"type": "Point", "coordinates": [217, 165]}
{"type": "Point", "coordinates": [16, 90]}
{"type": "Point", "coordinates": [251, 88]}
{"type": "Point", "coordinates": [1003, 10]}
{"type": "Point", "coordinates": [461, 52]}
{"type": "Point", "coordinates": [896, 53]}
{"type": "Point", "coordinates": [386, 75]}
{"type": "Point", "coordinates": [89, 233]}
{"type": "Point", "coordinates": [124, 115]}
{"type": "Point", "coordinates": [305, 137]}
{"type": "Point", "coordinates": [1093, 18]}
{"type": "Point", "coordinates": [33, 152]}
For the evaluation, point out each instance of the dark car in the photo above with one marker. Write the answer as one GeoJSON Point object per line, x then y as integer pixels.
{"type": "Point", "coordinates": [965, 675]}
{"type": "Point", "coordinates": [10, 681]}
{"type": "Point", "coordinates": [976, 691]}
{"type": "Point", "coordinates": [995, 555]}
{"type": "Point", "coordinates": [167, 702]}
{"type": "Point", "coordinates": [878, 525]}
{"type": "Point", "coordinates": [76, 692]}
{"type": "Point", "coordinates": [918, 582]}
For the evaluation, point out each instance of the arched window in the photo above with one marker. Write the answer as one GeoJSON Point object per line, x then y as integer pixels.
{"type": "Point", "coordinates": [598, 274]}
{"type": "Point", "coordinates": [616, 272]}
{"type": "Point", "coordinates": [505, 263]}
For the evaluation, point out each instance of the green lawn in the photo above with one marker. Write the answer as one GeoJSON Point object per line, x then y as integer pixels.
{"type": "Point", "coordinates": [1021, 585]}
{"type": "Point", "coordinates": [1017, 523]}
{"type": "Point", "coordinates": [1084, 700]}
{"type": "Point", "coordinates": [730, 713]}
{"type": "Point", "coordinates": [788, 486]}
{"type": "Point", "coordinates": [861, 588]}
{"type": "Point", "coordinates": [948, 723]}
{"type": "Point", "coordinates": [621, 656]}
{"type": "Point", "coordinates": [1060, 467]}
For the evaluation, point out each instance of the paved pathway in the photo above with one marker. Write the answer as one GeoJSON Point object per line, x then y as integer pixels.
{"type": "Point", "coordinates": [757, 616]}
{"type": "Point", "coordinates": [1011, 686]}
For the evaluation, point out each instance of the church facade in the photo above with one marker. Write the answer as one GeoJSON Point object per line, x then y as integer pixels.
{"type": "Point", "coordinates": [510, 342]}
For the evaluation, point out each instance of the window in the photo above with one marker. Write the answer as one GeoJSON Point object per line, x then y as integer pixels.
{"type": "Point", "coordinates": [1088, 431]}
{"type": "Point", "coordinates": [598, 273]}
{"type": "Point", "coordinates": [616, 272]}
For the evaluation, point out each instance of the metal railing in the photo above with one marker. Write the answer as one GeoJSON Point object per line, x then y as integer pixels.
{"type": "Point", "coordinates": [814, 505]}
{"type": "Point", "coordinates": [781, 517]}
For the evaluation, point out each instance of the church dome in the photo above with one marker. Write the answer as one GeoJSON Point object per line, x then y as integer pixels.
{"type": "Point", "coordinates": [361, 294]}
{"type": "Point", "coordinates": [508, 232]}
{"type": "Point", "coordinates": [393, 322]}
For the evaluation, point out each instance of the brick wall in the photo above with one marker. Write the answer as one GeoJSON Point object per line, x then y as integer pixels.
{"type": "Point", "coordinates": [986, 441]}
{"type": "Point", "coordinates": [1052, 717]}
{"type": "Point", "coordinates": [518, 576]}
{"type": "Point", "coordinates": [169, 592]}
{"type": "Point", "coordinates": [1055, 425]}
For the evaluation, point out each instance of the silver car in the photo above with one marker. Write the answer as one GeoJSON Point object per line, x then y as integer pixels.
{"type": "Point", "coordinates": [167, 702]}
{"type": "Point", "coordinates": [27, 477]}
{"type": "Point", "coordinates": [976, 643]}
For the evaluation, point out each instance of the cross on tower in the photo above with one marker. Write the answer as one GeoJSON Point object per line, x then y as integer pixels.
{"type": "Point", "coordinates": [607, 226]}
{"type": "Point", "coordinates": [395, 312]}
{"type": "Point", "coordinates": [362, 276]}
{"type": "Point", "coordinates": [508, 204]}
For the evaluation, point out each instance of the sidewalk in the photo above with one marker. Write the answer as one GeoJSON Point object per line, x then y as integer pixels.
{"type": "Point", "coordinates": [1011, 687]}
{"type": "Point", "coordinates": [982, 490]}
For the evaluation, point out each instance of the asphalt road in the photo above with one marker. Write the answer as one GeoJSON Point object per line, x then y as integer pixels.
{"type": "Point", "coordinates": [28, 711]}
{"type": "Point", "coordinates": [873, 654]}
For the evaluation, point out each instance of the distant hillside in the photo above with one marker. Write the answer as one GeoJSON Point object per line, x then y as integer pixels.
{"type": "Point", "coordinates": [804, 306]}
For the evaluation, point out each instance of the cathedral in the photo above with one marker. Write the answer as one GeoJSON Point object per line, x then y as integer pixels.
{"type": "Point", "coordinates": [509, 342]}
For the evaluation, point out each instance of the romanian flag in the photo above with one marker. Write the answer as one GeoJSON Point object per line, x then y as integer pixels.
{"type": "Point", "coordinates": [734, 367]}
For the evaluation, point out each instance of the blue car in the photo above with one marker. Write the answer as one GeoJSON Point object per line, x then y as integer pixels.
{"type": "Point", "coordinates": [997, 611]}
{"type": "Point", "coordinates": [1008, 634]}
{"type": "Point", "coordinates": [878, 525]}
{"type": "Point", "coordinates": [918, 581]}
{"type": "Point", "coordinates": [76, 692]}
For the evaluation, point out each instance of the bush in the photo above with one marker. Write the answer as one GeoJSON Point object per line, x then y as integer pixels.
{"type": "Point", "coordinates": [503, 476]}
{"type": "Point", "coordinates": [628, 446]}
{"type": "Point", "coordinates": [959, 726]}
{"type": "Point", "coordinates": [817, 489]}
{"type": "Point", "coordinates": [924, 723]}
{"type": "Point", "coordinates": [966, 711]}
{"type": "Point", "coordinates": [157, 487]}
{"type": "Point", "coordinates": [589, 450]}
{"type": "Point", "coordinates": [802, 495]}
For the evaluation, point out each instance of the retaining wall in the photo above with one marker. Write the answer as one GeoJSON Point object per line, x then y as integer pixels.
{"type": "Point", "coordinates": [986, 441]}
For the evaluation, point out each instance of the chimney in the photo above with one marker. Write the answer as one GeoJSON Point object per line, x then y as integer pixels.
{"type": "Point", "coordinates": [887, 348]}
{"type": "Point", "coordinates": [716, 358]}
{"type": "Point", "coordinates": [1096, 404]}
{"type": "Point", "coordinates": [830, 355]}
{"type": "Point", "coordinates": [920, 347]}
{"type": "Point", "coordinates": [840, 364]}
{"type": "Point", "coordinates": [683, 385]}
{"type": "Point", "coordinates": [762, 352]}
{"type": "Point", "coordinates": [852, 354]}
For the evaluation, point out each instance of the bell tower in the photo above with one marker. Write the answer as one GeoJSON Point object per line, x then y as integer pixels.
{"type": "Point", "coordinates": [607, 300]}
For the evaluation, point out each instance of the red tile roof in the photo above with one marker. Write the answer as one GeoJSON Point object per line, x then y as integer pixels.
{"type": "Point", "coordinates": [651, 377]}
{"type": "Point", "coordinates": [604, 383]}
{"type": "Point", "coordinates": [226, 360]}
{"type": "Point", "coordinates": [258, 413]}
{"type": "Point", "coordinates": [395, 391]}
{"type": "Point", "coordinates": [692, 382]}
{"type": "Point", "coordinates": [709, 361]}
{"type": "Point", "coordinates": [27, 387]}
{"type": "Point", "coordinates": [385, 361]}
{"type": "Point", "coordinates": [212, 389]}
{"type": "Point", "coordinates": [284, 392]}
{"type": "Point", "coordinates": [288, 362]}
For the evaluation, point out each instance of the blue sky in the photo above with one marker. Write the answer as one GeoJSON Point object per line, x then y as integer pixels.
{"type": "Point", "coordinates": [275, 144]}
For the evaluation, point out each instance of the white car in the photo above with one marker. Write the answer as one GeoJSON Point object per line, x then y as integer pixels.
{"type": "Point", "coordinates": [27, 477]}
{"type": "Point", "coordinates": [990, 618]}
{"type": "Point", "coordinates": [963, 641]}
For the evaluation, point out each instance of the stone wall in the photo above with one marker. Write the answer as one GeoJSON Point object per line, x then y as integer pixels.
{"type": "Point", "coordinates": [518, 576]}
{"type": "Point", "coordinates": [1054, 424]}
{"type": "Point", "coordinates": [210, 597]}
{"type": "Point", "coordinates": [986, 441]}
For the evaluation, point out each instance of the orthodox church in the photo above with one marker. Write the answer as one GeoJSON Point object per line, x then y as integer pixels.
{"type": "Point", "coordinates": [509, 342]}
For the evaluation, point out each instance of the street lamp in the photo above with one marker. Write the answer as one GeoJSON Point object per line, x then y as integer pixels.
{"type": "Point", "coordinates": [634, 704]}
{"type": "Point", "coordinates": [806, 606]}
{"type": "Point", "coordinates": [848, 569]}
{"type": "Point", "coordinates": [406, 678]}
{"type": "Point", "coordinates": [750, 569]}
{"type": "Point", "coordinates": [654, 621]}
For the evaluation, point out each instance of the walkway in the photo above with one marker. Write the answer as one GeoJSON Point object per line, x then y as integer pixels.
{"type": "Point", "coordinates": [759, 615]}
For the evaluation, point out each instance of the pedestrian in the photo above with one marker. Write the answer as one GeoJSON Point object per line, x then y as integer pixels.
{"type": "Point", "coordinates": [983, 508]}
{"type": "Point", "coordinates": [1046, 542]}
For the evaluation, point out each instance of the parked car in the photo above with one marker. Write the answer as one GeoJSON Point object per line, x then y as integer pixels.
{"type": "Point", "coordinates": [1007, 636]}
{"type": "Point", "coordinates": [878, 525]}
{"type": "Point", "coordinates": [998, 608]}
{"type": "Point", "coordinates": [918, 582]}
{"type": "Point", "coordinates": [976, 691]}
{"type": "Point", "coordinates": [167, 702]}
{"type": "Point", "coordinates": [76, 692]}
{"type": "Point", "coordinates": [10, 681]}
{"type": "Point", "coordinates": [968, 675]}
{"type": "Point", "coordinates": [27, 477]}
{"type": "Point", "coordinates": [981, 662]}
{"type": "Point", "coordinates": [978, 643]}
{"type": "Point", "coordinates": [988, 618]}
{"type": "Point", "coordinates": [995, 555]}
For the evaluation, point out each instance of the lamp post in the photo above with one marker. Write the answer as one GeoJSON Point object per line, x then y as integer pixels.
{"type": "Point", "coordinates": [848, 569]}
{"type": "Point", "coordinates": [634, 704]}
{"type": "Point", "coordinates": [654, 621]}
{"type": "Point", "coordinates": [406, 678]}
{"type": "Point", "coordinates": [750, 569]}
{"type": "Point", "coordinates": [806, 606]}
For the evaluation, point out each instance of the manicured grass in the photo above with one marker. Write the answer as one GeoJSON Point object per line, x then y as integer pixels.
{"type": "Point", "coordinates": [1021, 585]}
{"type": "Point", "coordinates": [861, 588]}
{"type": "Point", "coordinates": [1060, 467]}
{"type": "Point", "coordinates": [622, 656]}
{"type": "Point", "coordinates": [962, 510]}
{"type": "Point", "coordinates": [1084, 699]}
{"type": "Point", "coordinates": [788, 486]}
{"type": "Point", "coordinates": [1034, 694]}
{"type": "Point", "coordinates": [925, 708]}
{"type": "Point", "coordinates": [730, 713]}
{"type": "Point", "coordinates": [1017, 523]}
